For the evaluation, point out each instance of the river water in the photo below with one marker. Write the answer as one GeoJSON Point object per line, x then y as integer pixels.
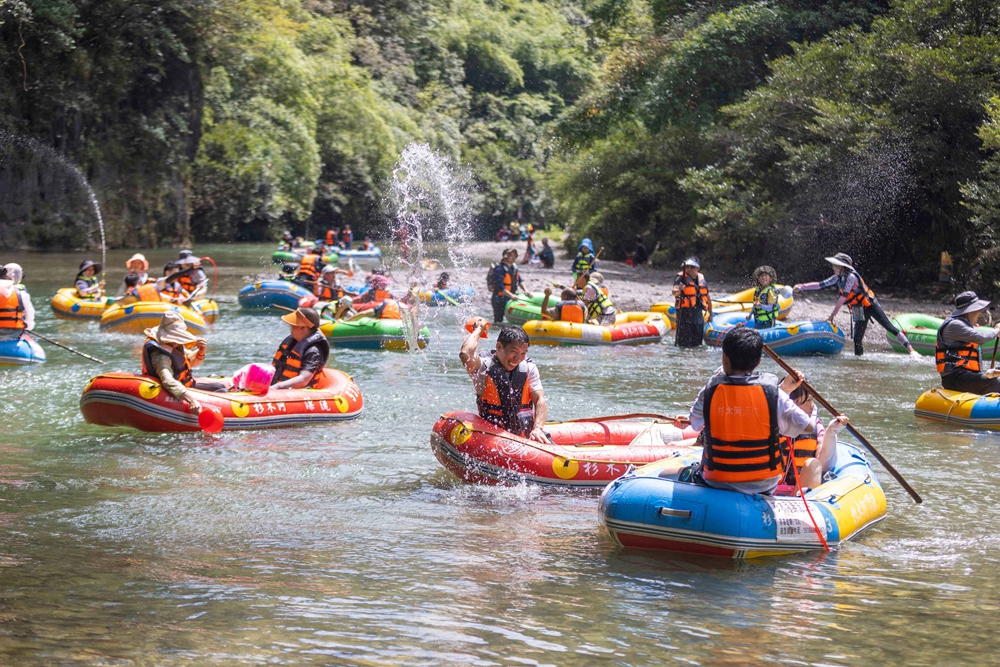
{"type": "Point", "coordinates": [350, 544]}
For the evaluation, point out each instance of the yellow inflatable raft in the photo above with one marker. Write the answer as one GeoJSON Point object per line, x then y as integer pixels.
{"type": "Point", "coordinates": [959, 407]}
{"type": "Point", "coordinates": [740, 302]}
{"type": "Point", "coordinates": [67, 305]}
{"type": "Point", "coordinates": [629, 329]}
{"type": "Point", "coordinates": [141, 315]}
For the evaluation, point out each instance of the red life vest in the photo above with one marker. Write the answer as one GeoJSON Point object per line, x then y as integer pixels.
{"type": "Point", "coordinates": [347, 236]}
{"type": "Point", "coordinates": [12, 310]}
{"type": "Point", "coordinates": [330, 239]}
{"type": "Point", "coordinates": [741, 430]}
{"type": "Point", "coordinates": [288, 359]}
{"type": "Point", "coordinates": [178, 361]}
{"type": "Point", "coordinates": [694, 292]}
{"type": "Point", "coordinates": [571, 311]}
{"type": "Point", "coordinates": [950, 356]}
{"type": "Point", "coordinates": [506, 399]}
{"type": "Point", "coordinates": [309, 268]}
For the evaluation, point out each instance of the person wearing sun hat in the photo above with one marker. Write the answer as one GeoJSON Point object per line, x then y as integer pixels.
{"type": "Point", "coordinates": [15, 274]}
{"type": "Point", "coordinates": [302, 356]}
{"type": "Point", "coordinates": [959, 359]}
{"type": "Point", "coordinates": [191, 277]}
{"type": "Point", "coordinates": [857, 296]}
{"type": "Point", "coordinates": [137, 265]}
{"type": "Point", "coordinates": [692, 300]}
{"type": "Point", "coordinates": [169, 354]}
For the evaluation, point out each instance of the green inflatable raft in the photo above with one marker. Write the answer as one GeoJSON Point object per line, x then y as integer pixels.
{"type": "Point", "coordinates": [524, 309]}
{"type": "Point", "coordinates": [369, 333]}
{"type": "Point", "coordinates": [922, 330]}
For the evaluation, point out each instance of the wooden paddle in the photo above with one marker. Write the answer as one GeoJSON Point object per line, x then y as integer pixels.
{"type": "Point", "coordinates": [853, 431]}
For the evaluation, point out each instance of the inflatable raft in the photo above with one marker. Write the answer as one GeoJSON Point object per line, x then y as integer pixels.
{"type": "Point", "coordinates": [369, 333]}
{"type": "Point", "coordinates": [141, 315]}
{"type": "Point", "coordinates": [921, 330]}
{"type": "Point", "coordinates": [959, 407]}
{"type": "Point", "coordinates": [525, 309]}
{"type": "Point", "coordinates": [629, 329]}
{"type": "Point", "coordinates": [651, 509]}
{"type": "Point", "coordinates": [285, 257]}
{"type": "Point", "coordinates": [21, 351]}
{"type": "Point", "coordinates": [788, 338]}
{"type": "Point", "coordinates": [67, 305]}
{"type": "Point", "coordinates": [123, 399]}
{"type": "Point", "coordinates": [437, 297]}
{"type": "Point", "coordinates": [740, 302]}
{"type": "Point", "coordinates": [267, 293]}
{"type": "Point", "coordinates": [373, 253]}
{"type": "Point", "coordinates": [582, 453]}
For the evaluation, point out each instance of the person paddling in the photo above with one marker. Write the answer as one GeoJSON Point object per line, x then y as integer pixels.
{"type": "Point", "coordinates": [764, 312]}
{"type": "Point", "coordinates": [508, 387]}
{"type": "Point", "coordinates": [957, 353]}
{"type": "Point", "coordinates": [302, 356]}
{"type": "Point", "coordinates": [742, 415]}
{"type": "Point", "coordinates": [88, 286]}
{"type": "Point", "coordinates": [15, 274]}
{"type": "Point", "coordinates": [692, 300]}
{"type": "Point", "coordinates": [857, 296]}
{"type": "Point", "coordinates": [169, 354]}
{"type": "Point", "coordinates": [192, 279]}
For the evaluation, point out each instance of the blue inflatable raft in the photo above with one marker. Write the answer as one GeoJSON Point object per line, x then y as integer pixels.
{"type": "Point", "coordinates": [786, 338]}
{"type": "Point", "coordinates": [267, 293]}
{"type": "Point", "coordinates": [446, 297]}
{"type": "Point", "coordinates": [650, 509]}
{"type": "Point", "coordinates": [374, 253]}
{"type": "Point", "coordinates": [21, 351]}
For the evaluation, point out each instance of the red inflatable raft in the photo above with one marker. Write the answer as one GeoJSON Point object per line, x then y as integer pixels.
{"type": "Point", "coordinates": [589, 453]}
{"type": "Point", "coordinates": [124, 399]}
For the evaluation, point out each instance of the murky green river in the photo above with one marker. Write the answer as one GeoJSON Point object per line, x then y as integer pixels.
{"type": "Point", "coordinates": [349, 544]}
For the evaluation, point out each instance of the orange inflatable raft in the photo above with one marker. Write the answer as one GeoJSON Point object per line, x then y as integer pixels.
{"type": "Point", "coordinates": [125, 399]}
{"type": "Point", "coordinates": [586, 453]}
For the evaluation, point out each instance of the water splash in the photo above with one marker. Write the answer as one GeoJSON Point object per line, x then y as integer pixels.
{"type": "Point", "coordinates": [429, 201]}
{"type": "Point", "coordinates": [48, 153]}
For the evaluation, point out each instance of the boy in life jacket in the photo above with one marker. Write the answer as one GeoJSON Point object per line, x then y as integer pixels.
{"type": "Point", "coordinates": [569, 309]}
{"type": "Point", "coordinates": [856, 295]}
{"type": "Point", "coordinates": [764, 312]}
{"type": "Point", "coordinates": [742, 416]}
{"type": "Point", "coordinates": [692, 302]}
{"type": "Point", "coordinates": [134, 291]}
{"type": "Point", "coordinates": [88, 286]}
{"type": "Point", "coordinates": [170, 289]}
{"type": "Point", "coordinates": [302, 356]}
{"type": "Point", "coordinates": [600, 309]}
{"type": "Point", "coordinates": [505, 281]}
{"type": "Point", "coordinates": [508, 387]}
{"type": "Point", "coordinates": [814, 453]}
{"type": "Point", "coordinates": [585, 259]}
{"type": "Point", "coordinates": [959, 359]}
{"type": "Point", "coordinates": [15, 274]}
{"type": "Point", "coordinates": [169, 354]}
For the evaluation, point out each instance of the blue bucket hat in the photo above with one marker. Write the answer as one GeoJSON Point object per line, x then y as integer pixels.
{"type": "Point", "coordinates": [586, 243]}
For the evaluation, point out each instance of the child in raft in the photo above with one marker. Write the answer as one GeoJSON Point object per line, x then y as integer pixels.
{"type": "Point", "coordinates": [569, 309]}
{"type": "Point", "coordinates": [764, 312]}
{"type": "Point", "coordinates": [88, 286]}
{"type": "Point", "coordinates": [815, 452]}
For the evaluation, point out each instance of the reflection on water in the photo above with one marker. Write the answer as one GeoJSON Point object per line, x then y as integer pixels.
{"type": "Point", "coordinates": [348, 544]}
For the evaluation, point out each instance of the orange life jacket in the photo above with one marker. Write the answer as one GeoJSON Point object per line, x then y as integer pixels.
{"type": "Point", "coordinates": [381, 295]}
{"type": "Point", "coordinates": [146, 292]}
{"type": "Point", "coordinates": [741, 430]}
{"type": "Point", "coordinates": [950, 356]}
{"type": "Point", "coordinates": [170, 291]}
{"type": "Point", "coordinates": [860, 295]}
{"type": "Point", "coordinates": [506, 399]}
{"type": "Point", "coordinates": [309, 268]}
{"type": "Point", "coordinates": [694, 292]}
{"type": "Point", "coordinates": [327, 292]}
{"type": "Point", "coordinates": [12, 310]}
{"type": "Point", "coordinates": [571, 311]}
{"type": "Point", "coordinates": [803, 448]}
{"type": "Point", "coordinates": [347, 236]}
{"type": "Point", "coordinates": [389, 310]}
{"type": "Point", "coordinates": [178, 360]}
{"type": "Point", "coordinates": [186, 282]}
{"type": "Point", "coordinates": [510, 279]}
{"type": "Point", "coordinates": [288, 359]}
{"type": "Point", "coordinates": [330, 239]}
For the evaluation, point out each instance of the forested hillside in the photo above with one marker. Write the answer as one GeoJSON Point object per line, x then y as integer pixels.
{"type": "Point", "coordinates": [741, 130]}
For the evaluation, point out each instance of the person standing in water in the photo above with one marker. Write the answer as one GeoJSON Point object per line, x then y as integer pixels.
{"type": "Point", "coordinates": [692, 301]}
{"type": "Point", "coordinates": [857, 296]}
{"type": "Point", "coordinates": [959, 359]}
{"type": "Point", "coordinates": [505, 281]}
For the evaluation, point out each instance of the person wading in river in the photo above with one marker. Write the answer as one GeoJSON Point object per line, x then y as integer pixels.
{"type": "Point", "coordinates": [957, 351]}
{"type": "Point", "coordinates": [857, 296]}
{"type": "Point", "coordinates": [692, 301]}
{"type": "Point", "coordinates": [507, 384]}
{"type": "Point", "coordinates": [505, 281]}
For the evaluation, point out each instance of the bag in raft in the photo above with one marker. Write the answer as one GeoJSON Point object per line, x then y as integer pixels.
{"type": "Point", "coordinates": [255, 378]}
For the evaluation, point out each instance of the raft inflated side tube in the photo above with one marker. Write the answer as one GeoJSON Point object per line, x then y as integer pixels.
{"type": "Point", "coordinates": [789, 338]}
{"type": "Point", "coordinates": [141, 315]}
{"type": "Point", "coordinates": [67, 305]}
{"type": "Point", "coordinates": [921, 330]}
{"type": "Point", "coordinates": [740, 302]}
{"type": "Point", "coordinates": [629, 329]}
{"type": "Point", "coordinates": [267, 293]}
{"type": "Point", "coordinates": [959, 407]}
{"type": "Point", "coordinates": [21, 351]}
{"type": "Point", "coordinates": [369, 333]}
{"type": "Point", "coordinates": [438, 297]}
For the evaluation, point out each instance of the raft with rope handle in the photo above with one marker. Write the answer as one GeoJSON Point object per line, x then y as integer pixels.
{"type": "Point", "coordinates": [374, 253]}
{"type": "Point", "coordinates": [586, 453]}
{"type": "Point", "coordinates": [264, 294]}
{"type": "Point", "coordinates": [628, 329]}
{"type": "Point", "coordinates": [125, 399]}
{"type": "Point", "coordinates": [651, 508]}
{"type": "Point", "coordinates": [21, 351]}
{"type": "Point", "coordinates": [739, 302]}
{"type": "Point", "coordinates": [959, 407]}
{"type": "Point", "coordinates": [294, 256]}
{"type": "Point", "coordinates": [458, 295]}
{"type": "Point", "coordinates": [921, 330]}
{"type": "Point", "coordinates": [138, 316]}
{"type": "Point", "coordinates": [67, 304]}
{"type": "Point", "coordinates": [788, 338]}
{"type": "Point", "coordinates": [363, 332]}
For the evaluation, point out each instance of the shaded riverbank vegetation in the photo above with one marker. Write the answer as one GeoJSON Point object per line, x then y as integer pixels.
{"type": "Point", "coordinates": [742, 129]}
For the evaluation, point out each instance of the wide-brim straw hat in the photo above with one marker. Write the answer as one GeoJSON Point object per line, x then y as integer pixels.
{"type": "Point", "coordinates": [302, 317]}
{"type": "Point", "coordinates": [137, 257]}
{"type": "Point", "coordinates": [87, 264]}
{"type": "Point", "coordinates": [596, 277]}
{"type": "Point", "coordinates": [968, 302]}
{"type": "Point", "coordinates": [172, 329]}
{"type": "Point", "coordinates": [841, 259]}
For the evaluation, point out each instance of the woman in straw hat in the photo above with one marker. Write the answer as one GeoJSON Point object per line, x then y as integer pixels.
{"type": "Point", "coordinates": [959, 360]}
{"type": "Point", "coordinates": [137, 266]}
{"type": "Point", "coordinates": [302, 356]}
{"type": "Point", "coordinates": [169, 354]}
{"type": "Point", "coordinates": [856, 295]}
